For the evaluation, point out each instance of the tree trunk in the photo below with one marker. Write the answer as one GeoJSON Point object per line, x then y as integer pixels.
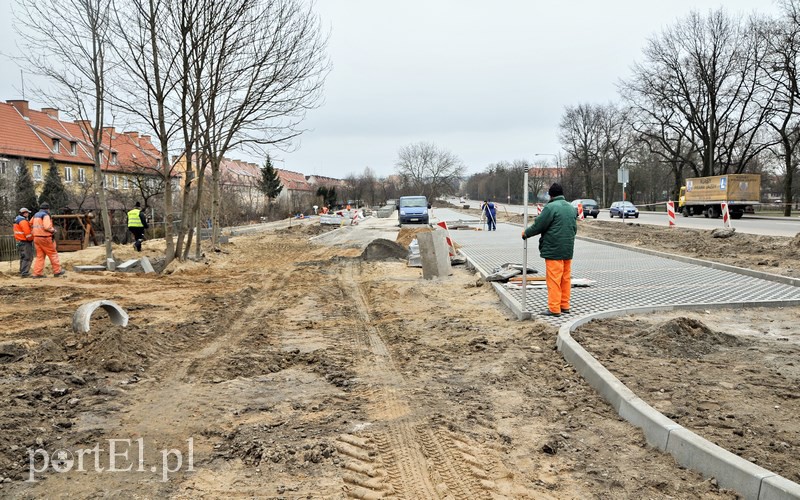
{"type": "Point", "coordinates": [787, 186]}
{"type": "Point", "coordinates": [215, 174]}
{"type": "Point", "coordinates": [101, 196]}
{"type": "Point", "coordinates": [196, 212]}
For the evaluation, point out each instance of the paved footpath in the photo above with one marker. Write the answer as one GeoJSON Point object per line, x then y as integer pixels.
{"type": "Point", "coordinates": [623, 278]}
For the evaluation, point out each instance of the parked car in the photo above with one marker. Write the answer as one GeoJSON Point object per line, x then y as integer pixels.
{"type": "Point", "coordinates": [590, 207]}
{"type": "Point", "coordinates": [618, 208]}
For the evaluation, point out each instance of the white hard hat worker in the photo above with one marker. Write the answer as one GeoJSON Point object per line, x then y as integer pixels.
{"type": "Point", "coordinates": [24, 210]}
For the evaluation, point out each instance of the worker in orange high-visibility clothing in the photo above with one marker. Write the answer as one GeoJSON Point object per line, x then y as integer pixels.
{"type": "Point", "coordinates": [43, 232]}
{"type": "Point", "coordinates": [24, 238]}
{"type": "Point", "coordinates": [557, 227]}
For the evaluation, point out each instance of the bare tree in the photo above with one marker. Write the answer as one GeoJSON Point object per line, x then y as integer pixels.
{"type": "Point", "coordinates": [71, 50]}
{"type": "Point", "coordinates": [616, 141]}
{"type": "Point", "coordinates": [147, 52]}
{"type": "Point", "coordinates": [427, 169]}
{"type": "Point", "coordinates": [780, 69]}
{"type": "Point", "coordinates": [702, 75]}
{"type": "Point", "coordinates": [265, 69]}
{"type": "Point", "coordinates": [581, 135]}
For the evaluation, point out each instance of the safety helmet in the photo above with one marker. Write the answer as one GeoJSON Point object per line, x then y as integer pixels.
{"type": "Point", "coordinates": [44, 206]}
{"type": "Point", "coordinates": [24, 210]}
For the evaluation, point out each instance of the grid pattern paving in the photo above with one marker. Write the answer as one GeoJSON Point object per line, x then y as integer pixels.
{"type": "Point", "coordinates": [623, 278]}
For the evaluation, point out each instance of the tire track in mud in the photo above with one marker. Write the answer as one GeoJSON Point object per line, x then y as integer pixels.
{"type": "Point", "coordinates": [419, 460]}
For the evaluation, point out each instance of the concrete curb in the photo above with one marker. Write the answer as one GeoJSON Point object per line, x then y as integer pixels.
{"type": "Point", "coordinates": [689, 449]}
{"type": "Point", "coordinates": [83, 315]}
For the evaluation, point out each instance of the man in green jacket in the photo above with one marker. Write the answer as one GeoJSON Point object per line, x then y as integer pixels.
{"type": "Point", "coordinates": [557, 225]}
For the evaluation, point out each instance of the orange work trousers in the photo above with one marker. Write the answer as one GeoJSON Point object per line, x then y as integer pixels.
{"type": "Point", "coordinates": [45, 246]}
{"type": "Point", "coordinates": [559, 284]}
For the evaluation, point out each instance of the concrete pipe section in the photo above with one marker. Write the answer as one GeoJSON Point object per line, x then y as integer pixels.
{"type": "Point", "coordinates": [82, 317]}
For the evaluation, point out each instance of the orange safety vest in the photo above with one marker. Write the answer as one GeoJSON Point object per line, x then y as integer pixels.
{"type": "Point", "coordinates": [43, 225]}
{"type": "Point", "coordinates": [22, 229]}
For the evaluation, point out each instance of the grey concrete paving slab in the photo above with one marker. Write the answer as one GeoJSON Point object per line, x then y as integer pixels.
{"type": "Point", "coordinates": [623, 278]}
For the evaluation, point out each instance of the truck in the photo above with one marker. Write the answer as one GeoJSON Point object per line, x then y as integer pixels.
{"type": "Point", "coordinates": [705, 195]}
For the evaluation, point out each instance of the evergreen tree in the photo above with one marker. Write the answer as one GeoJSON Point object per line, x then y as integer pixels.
{"type": "Point", "coordinates": [270, 183]}
{"type": "Point", "coordinates": [53, 191]}
{"type": "Point", "coordinates": [328, 195]}
{"type": "Point", "coordinates": [25, 191]}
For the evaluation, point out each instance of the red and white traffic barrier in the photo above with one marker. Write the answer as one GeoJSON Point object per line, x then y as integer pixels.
{"type": "Point", "coordinates": [539, 208]}
{"type": "Point", "coordinates": [450, 245]}
{"type": "Point", "coordinates": [726, 215]}
{"type": "Point", "coordinates": [580, 211]}
{"type": "Point", "coordinates": [671, 213]}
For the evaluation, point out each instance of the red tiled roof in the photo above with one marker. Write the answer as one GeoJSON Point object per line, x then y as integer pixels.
{"type": "Point", "coordinates": [325, 181]}
{"type": "Point", "coordinates": [18, 138]}
{"type": "Point", "coordinates": [134, 152]}
{"type": "Point", "coordinates": [33, 138]}
{"type": "Point", "coordinates": [294, 181]}
{"type": "Point", "coordinates": [239, 172]}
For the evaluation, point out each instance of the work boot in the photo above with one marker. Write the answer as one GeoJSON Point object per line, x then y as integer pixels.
{"type": "Point", "coordinates": [564, 311]}
{"type": "Point", "coordinates": [60, 273]}
{"type": "Point", "coordinates": [37, 276]}
{"type": "Point", "coordinates": [548, 312]}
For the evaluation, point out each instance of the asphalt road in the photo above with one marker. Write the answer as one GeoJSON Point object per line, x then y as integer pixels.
{"type": "Point", "coordinates": [770, 226]}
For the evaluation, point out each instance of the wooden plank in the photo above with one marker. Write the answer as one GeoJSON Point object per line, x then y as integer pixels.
{"type": "Point", "coordinates": [68, 245]}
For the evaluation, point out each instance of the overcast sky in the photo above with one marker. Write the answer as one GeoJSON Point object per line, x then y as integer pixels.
{"type": "Point", "coordinates": [487, 81]}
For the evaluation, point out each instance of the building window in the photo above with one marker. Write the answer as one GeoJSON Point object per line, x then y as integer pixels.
{"type": "Point", "coordinates": [37, 171]}
{"type": "Point", "coordinates": [3, 167]}
{"type": "Point", "coordinates": [124, 182]}
{"type": "Point", "coordinates": [114, 183]}
{"type": "Point", "coordinates": [73, 147]}
{"type": "Point", "coordinates": [56, 145]}
{"type": "Point", "coordinates": [81, 175]}
{"type": "Point", "coordinates": [113, 158]}
{"type": "Point", "coordinates": [67, 174]}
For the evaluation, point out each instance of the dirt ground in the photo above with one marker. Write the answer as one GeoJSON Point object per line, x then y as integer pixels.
{"type": "Point", "coordinates": [281, 368]}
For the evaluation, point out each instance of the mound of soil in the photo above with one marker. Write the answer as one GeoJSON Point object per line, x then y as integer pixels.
{"type": "Point", "coordinates": [684, 338]}
{"type": "Point", "coordinates": [382, 249]}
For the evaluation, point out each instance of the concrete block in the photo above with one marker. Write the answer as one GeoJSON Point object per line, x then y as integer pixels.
{"type": "Point", "coordinates": [224, 240]}
{"type": "Point", "coordinates": [83, 269]}
{"type": "Point", "coordinates": [654, 424]}
{"type": "Point", "coordinates": [779, 488]}
{"type": "Point", "coordinates": [82, 316]}
{"type": "Point", "coordinates": [602, 380]}
{"type": "Point", "coordinates": [146, 265]}
{"type": "Point", "coordinates": [127, 264]}
{"type": "Point", "coordinates": [111, 264]}
{"type": "Point", "coordinates": [730, 471]}
{"type": "Point", "coordinates": [435, 254]}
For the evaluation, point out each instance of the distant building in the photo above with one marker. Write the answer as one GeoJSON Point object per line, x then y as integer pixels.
{"type": "Point", "coordinates": [32, 139]}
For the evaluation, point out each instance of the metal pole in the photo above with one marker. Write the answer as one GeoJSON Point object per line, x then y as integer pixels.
{"type": "Point", "coordinates": [525, 241]}
{"type": "Point", "coordinates": [603, 164]}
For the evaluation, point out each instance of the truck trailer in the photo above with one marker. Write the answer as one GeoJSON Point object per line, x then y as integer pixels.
{"type": "Point", "coordinates": [705, 195]}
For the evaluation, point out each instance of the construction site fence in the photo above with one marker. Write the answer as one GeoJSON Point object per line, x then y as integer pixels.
{"type": "Point", "coordinates": [8, 248]}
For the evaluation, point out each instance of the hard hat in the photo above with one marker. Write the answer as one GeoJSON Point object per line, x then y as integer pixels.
{"type": "Point", "coordinates": [24, 210]}
{"type": "Point", "coordinates": [44, 205]}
